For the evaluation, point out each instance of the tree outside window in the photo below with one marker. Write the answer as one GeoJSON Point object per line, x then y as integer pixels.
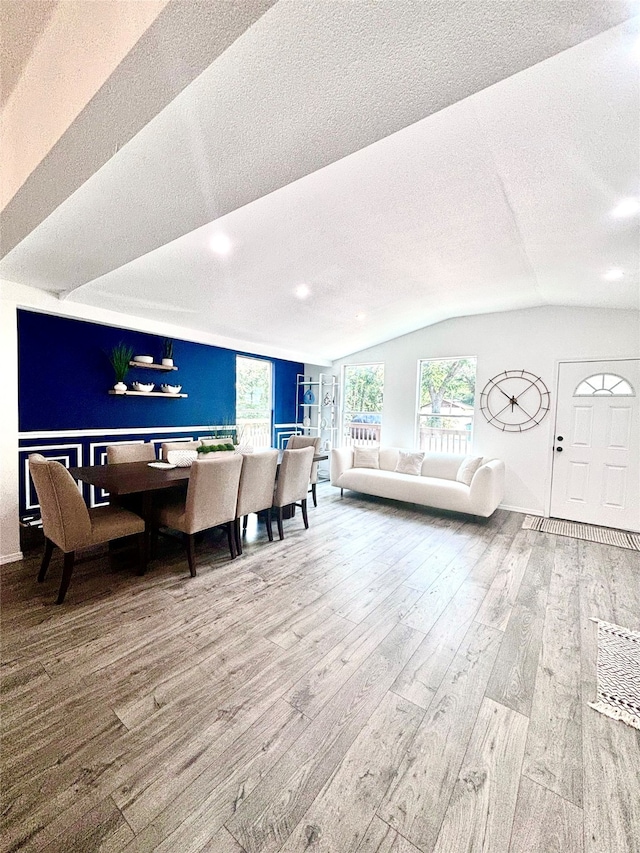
{"type": "Point", "coordinates": [363, 396]}
{"type": "Point", "coordinates": [446, 404]}
{"type": "Point", "coordinates": [254, 400]}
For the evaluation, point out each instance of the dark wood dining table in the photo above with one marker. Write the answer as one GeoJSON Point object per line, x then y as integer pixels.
{"type": "Point", "coordinates": [129, 478]}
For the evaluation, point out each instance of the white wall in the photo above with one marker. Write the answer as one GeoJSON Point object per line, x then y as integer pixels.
{"type": "Point", "coordinates": [9, 531]}
{"type": "Point", "coordinates": [535, 339]}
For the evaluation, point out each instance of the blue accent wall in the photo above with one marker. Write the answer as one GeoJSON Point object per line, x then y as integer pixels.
{"type": "Point", "coordinates": [285, 403]}
{"type": "Point", "coordinates": [64, 376]}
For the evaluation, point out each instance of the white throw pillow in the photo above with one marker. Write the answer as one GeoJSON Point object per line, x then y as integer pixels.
{"type": "Point", "coordinates": [366, 457]}
{"type": "Point", "coordinates": [182, 458]}
{"type": "Point", "coordinates": [468, 468]}
{"type": "Point", "coordinates": [409, 463]}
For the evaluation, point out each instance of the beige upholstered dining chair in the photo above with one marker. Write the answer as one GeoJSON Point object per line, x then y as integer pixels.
{"type": "Point", "coordinates": [68, 523]}
{"type": "Point", "coordinates": [193, 445]}
{"type": "Point", "coordinates": [297, 441]}
{"type": "Point", "coordinates": [177, 445]}
{"type": "Point", "coordinates": [293, 483]}
{"type": "Point", "coordinates": [120, 453]}
{"type": "Point", "coordinates": [255, 492]}
{"type": "Point", "coordinates": [211, 500]}
{"type": "Point", "coordinates": [117, 453]}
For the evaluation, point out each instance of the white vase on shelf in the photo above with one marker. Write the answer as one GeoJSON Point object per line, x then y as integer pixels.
{"type": "Point", "coordinates": [120, 386]}
{"type": "Point", "coordinates": [167, 362]}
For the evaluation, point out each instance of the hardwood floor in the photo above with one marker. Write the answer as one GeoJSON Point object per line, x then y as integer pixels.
{"type": "Point", "coordinates": [389, 681]}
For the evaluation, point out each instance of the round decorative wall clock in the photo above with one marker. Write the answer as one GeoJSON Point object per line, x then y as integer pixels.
{"type": "Point", "coordinates": [515, 400]}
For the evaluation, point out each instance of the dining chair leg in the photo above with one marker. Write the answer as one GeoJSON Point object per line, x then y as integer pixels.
{"type": "Point", "coordinates": [149, 544]}
{"type": "Point", "coordinates": [267, 520]}
{"type": "Point", "coordinates": [313, 494]}
{"type": "Point", "coordinates": [154, 535]}
{"type": "Point", "coordinates": [191, 553]}
{"type": "Point", "coordinates": [231, 539]}
{"type": "Point", "coordinates": [303, 507]}
{"type": "Point", "coordinates": [245, 522]}
{"type": "Point", "coordinates": [280, 530]}
{"type": "Point", "coordinates": [67, 570]}
{"type": "Point", "coordinates": [46, 559]}
{"type": "Point", "coordinates": [236, 526]}
{"type": "Point", "coordinates": [142, 553]}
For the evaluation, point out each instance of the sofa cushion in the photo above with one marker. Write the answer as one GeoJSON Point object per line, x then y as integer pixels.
{"type": "Point", "coordinates": [468, 468]}
{"type": "Point", "coordinates": [388, 458]}
{"type": "Point", "coordinates": [428, 491]}
{"type": "Point", "coordinates": [442, 465]}
{"type": "Point", "coordinates": [409, 463]}
{"type": "Point", "coordinates": [366, 457]}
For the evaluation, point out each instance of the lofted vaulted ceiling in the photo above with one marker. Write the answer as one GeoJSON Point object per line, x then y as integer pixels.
{"type": "Point", "coordinates": [409, 161]}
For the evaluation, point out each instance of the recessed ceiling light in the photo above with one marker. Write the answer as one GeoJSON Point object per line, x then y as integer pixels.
{"type": "Point", "coordinates": [613, 275]}
{"type": "Point", "coordinates": [220, 244]}
{"type": "Point", "coordinates": [626, 207]}
{"type": "Point", "coordinates": [302, 291]}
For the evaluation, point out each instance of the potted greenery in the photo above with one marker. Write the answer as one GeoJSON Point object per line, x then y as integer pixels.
{"type": "Point", "coordinates": [215, 448]}
{"type": "Point", "coordinates": [167, 352]}
{"type": "Point", "coordinates": [120, 356]}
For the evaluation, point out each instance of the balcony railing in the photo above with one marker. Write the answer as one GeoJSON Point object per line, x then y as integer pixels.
{"type": "Point", "coordinates": [356, 432]}
{"type": "Point", "coordinates": [444, 439]}
{"type": "Point", "coordinates": [435, 439]}
{"type": "Point", "coordinates": [256, 432]}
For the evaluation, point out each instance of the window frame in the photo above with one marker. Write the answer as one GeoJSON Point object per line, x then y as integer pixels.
{"type": "Point", "coordinates": [417, 414]}
{"type": "Point", "coordinates": [604, 392]}
{"type": "Point", "coordinates": [343, 407]}
{"type": "Point", "coordinates": [271, 401]}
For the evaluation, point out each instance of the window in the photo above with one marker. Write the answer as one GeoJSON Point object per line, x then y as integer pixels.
{"type": "Point", "coordinates": [446, 397]}
{"type": "Point", "coordinates": [604, 385]}
{"type": "Point", "coordinates": [362, 413]}
{"type": "Point", "coordinates": [253, 401]}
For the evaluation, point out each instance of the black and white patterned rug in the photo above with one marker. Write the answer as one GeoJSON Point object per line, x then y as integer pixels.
{"type": "Point", "coordinates": [618, 673]}
{"type": "Point", "coordinates": [603, 535]}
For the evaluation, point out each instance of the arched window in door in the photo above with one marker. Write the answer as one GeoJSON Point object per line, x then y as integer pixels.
{"type": "Point", "coordinates": [604, 385]}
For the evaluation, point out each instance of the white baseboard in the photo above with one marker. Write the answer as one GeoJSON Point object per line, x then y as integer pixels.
{"type": "Point", "coordinates": [522, 509]}
{"type": "Point", "coordinates": [10, 558]}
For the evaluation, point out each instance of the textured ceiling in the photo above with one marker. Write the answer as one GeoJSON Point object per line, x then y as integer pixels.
{"type": "Point", "coordinates": [408, 161]}
{"type": "Point", "coordinates": [21, 25]}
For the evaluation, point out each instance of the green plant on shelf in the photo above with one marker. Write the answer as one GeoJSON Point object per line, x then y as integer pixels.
{"type": "Point", "coordinates": [167, 348]}
{"type": "Point", "coordinates": [119, 357]}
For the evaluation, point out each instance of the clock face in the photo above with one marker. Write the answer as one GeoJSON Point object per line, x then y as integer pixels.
{"type": "Point", "coordinates": [515, 400]}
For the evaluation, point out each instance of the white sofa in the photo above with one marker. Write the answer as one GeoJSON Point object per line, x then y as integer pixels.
{"type": "Point", "coordinates": [435, 486]}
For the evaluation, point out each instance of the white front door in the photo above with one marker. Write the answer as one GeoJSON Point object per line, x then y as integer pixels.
{"type": "Point", "coordinates": [596, 460]}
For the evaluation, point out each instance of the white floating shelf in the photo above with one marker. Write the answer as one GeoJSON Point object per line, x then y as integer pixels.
{"type": "Point", "coordinates": [145, 393]}
{"type": "Point", "coordinates": [146, 366]}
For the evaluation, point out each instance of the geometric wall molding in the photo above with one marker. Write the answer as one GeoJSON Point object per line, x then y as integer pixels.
{"type": "Point", "coordinates": [75, 448]}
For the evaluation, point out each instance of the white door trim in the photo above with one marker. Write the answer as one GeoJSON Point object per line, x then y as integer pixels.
{"type": "Point", "coordinates": [554, 410]}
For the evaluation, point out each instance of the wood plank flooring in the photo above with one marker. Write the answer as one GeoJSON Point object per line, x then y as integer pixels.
{"type": "Point", "coordinates": [392, 680]}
